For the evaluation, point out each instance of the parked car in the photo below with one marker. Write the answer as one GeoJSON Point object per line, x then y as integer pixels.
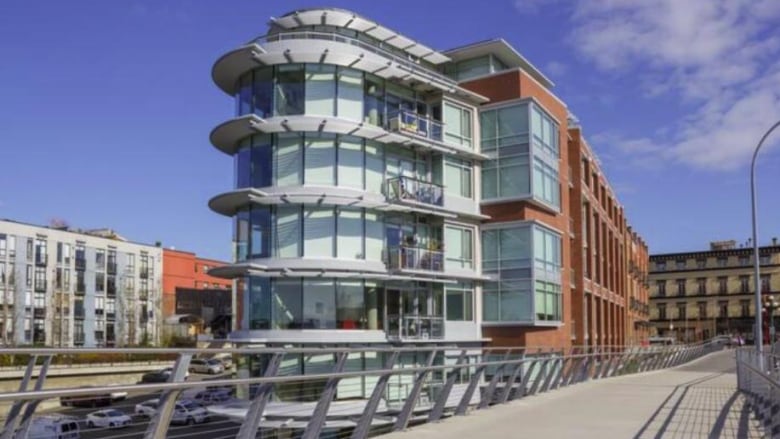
{"type": "Point", "coordinates": [210, 367]}
{"type": "Point", "coordinates": [93, 400]}
{"type": "Point", "coordinates": [53, 426]}
{"type": "Point", "coordinates": [185, 412]}
{"type": "Point", "coordinates": [160, 376]}
{"type": "Point", "coordinates": [213, 396]}
{"type": "Point", "coordinates": [147, 408]}
{"type": "Point", "coordinates": [226, 359]}
{"type": "Point", "coordinates": [109, 418]}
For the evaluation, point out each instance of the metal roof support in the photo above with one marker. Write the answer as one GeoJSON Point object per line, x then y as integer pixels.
{"type": "Point", "coordinates": [158, 425]}
{"type": "Point", "coordinates": [364, 424]}
{"type": "Point", "coordinates": [255, 412]}
{"type": "Point", "coordinates": [317, 420]}
{"type": "Point", "coordinates": [411, 399]}
{"type": "Point", "coordinates": [438, 407]}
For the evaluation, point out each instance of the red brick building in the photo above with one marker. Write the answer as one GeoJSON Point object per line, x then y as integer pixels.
{"type": "Point", "coordinates": [182, 269]}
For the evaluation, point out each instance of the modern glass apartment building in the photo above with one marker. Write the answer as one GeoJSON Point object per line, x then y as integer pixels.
{"type": "Point", "coordinates": [356, 203]}
{"type": "Point", "coordinates": [388, 192]}
{"type": "Point", "coordinates": [64, 288]}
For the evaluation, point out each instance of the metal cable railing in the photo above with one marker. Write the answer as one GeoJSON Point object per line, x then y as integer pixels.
{"type": "Point", "coordinates": [316, 392]}
{"type": "Point", "coordinates": [758, 378]}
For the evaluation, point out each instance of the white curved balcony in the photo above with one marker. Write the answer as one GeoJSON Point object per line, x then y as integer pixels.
{"type": "Point", "coordinates": [226, 136]}
{"type": "Point", "coordinates": [330, 48]}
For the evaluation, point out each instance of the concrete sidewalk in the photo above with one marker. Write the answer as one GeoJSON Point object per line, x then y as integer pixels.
{"type": "Point", "coordinates": [697, 400]}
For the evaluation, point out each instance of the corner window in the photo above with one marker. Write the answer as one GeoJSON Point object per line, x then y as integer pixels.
{"type": "Point", "coordinates": [546, 186]}
{"type": "Point", "coordinates": [457, 125]}
{"type": "Point", "coordinates": [548, 301]}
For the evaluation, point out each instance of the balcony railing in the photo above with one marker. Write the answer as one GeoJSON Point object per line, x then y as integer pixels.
{"type": "Point", "coordinates": [412, 123]}
{"type": "Point", "coordinates": [331, 36]}
{"type": "Point", "coordinates": [415, 327]}
{"type": "Point", "coordinates": [411, 189]}
{"type": "Point", "coordinates": [415, 258]}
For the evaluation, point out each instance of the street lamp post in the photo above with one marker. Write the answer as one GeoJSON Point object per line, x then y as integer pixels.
{"type": "Point", "coordinates": [759, 336]}
{"type": "Point", "coordinates": [770, 305]}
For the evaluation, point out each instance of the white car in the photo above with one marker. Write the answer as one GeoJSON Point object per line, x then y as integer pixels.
{"type": "Point", "coordinates": [214, 396]}
{"type": "Point", "coordinates": [61, 427]}
{"type": "Point", "coordinates": [210, 367]}
{"type": "Point", "coordinates": [109, 418]}
{"type": "Point", "coordinates": [186, 411]}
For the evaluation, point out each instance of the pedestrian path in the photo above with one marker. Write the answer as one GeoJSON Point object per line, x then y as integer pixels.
{"type": "Point", "coordinates": [696, 400]}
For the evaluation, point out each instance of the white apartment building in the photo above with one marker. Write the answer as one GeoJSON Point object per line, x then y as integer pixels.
{"type": "Point", "coordinates": [61, 287]}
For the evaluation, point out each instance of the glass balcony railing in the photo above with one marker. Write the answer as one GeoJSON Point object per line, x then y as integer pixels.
{"type": "Point", "coordinates": [415, 258]}
{"type": "Point", "coordinates": [412, 123]}
{"type": "Point", "coordinates": [411, 189]}
{"type": "Point", "coordinates": [408, 64]}
{"type": "Point", "coordinates": [415, 327]}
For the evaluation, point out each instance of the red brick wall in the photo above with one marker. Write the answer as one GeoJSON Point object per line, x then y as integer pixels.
{"type": "Point", "coordinates": [185, 270]}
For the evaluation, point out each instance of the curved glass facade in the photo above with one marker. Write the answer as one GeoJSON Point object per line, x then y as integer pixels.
{"type": "Point", "coordinates": [295, 231]}
{"type": "Point", "coordinates": [328, 90]}
{"type": "Point", "coordinates": [327, 303]}
{"type": "Point", "coordinates": [295, 159]}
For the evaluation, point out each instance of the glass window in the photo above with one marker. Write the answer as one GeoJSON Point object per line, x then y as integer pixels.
{"type": "Point", "coordinates": [319, 304]}
{"type": "Point", "coordinates": [318, 232]}
{"type": "Point", "coordinates": [458, 244]}
{"type": "Point", "coordinates": [287, 304]}
{"type": "Point", "coordinates": [374, 236]}
{"type": "Point", "coordinates": [350, 94]}
{"type": "Point", "coordinates": [320, 159]}
{"type": "Point", "coordinates": [288, 160]}
{"type": "Point", "coordinates": [374, 100]}
{"type": "Point", "coordinates": [263, 91]}
{"type": "Point", "coordinates": [507, 256]}
{"type": "Point", "coordinates": [289, 95]}
{"type": "Point", "coordinates": [260, 164]}
{"type": "Point", "coordinates": [375, 167]}
{"type": "Point", "coordinates": [241, 235]}
{"type": "Point", "coordinates": [350, 162]}
{"type": "Point", "coordinates": [547, 302]}
{"type": "Point", "coordinates": [320, 89]}
{"type": "Point", "coordinates": [260, 239]}
{"type": "Point", "coordinates": [457, 125]}
{"type": "Point", "coordinates": [350, 233]}
{"type": "Point", "coordinates": [244, 96]}
{"type": "Point", "coordinates": [460, 302]}
{"type": "Point", "coordinates": [350, 300]}
{"type": "Point", "coordinates": [547, 250]}
{"type": "Point", "coordinates": [546, 184]}
{"type": "Point", "coordinates": [288, 231]}
{"type": "Point", "coordinates": [458, 177]}
{"type": "Point", "coordinates": [544, 132]}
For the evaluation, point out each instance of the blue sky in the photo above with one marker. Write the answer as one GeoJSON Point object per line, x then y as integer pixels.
{"type": "Point", "coordinates": [105, 107]}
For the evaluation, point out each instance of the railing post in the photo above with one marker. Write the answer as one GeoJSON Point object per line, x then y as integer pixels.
{"type": "Point", "coordinates": [255, 412]}
{"type": "Point", "coordinates": [510, 382]}
{"type": "Point", "coordinates": [11, 421]}
{"type": "Point", "coordinates": [411, 400]}
{"type": "Point", "coordinates": [463, 405]}
{"type": "Point", "coordinates": [158, 425]}
{"type": "Point", "coordinates": [487, 396]}
{"type": "Point", "coordinates": [542, 373]}
{"type": "Point", "coordinates": [551, 371]}
{"type": "Point", "coordinates": [438, 407]}
{"type": "Point", "coordinates": [563, 361]}
{"type": "Point", "coordinates": [530, 365]}
{"type": "Point", "coordinates": [31, 405]}
{"type": "Point", "coordinates": [574, 366]}
{"type": "Point", "coordinates": [602, 364]}
{"type": "Point", "coordinates": [317, 420]}
{"type": "Point", "coordinates": [364, 424]}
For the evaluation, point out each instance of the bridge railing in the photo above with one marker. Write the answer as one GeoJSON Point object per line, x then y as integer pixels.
{"type": "Point", "coordinates": [758, 378]}
{"type": "Point", "coordinates": [338, 391]}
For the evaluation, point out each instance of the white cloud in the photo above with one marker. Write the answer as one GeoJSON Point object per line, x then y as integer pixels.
{"type": "Point", "coordinates": [714, 55]}
{"type": "Point", "coordinates": [556, 68]}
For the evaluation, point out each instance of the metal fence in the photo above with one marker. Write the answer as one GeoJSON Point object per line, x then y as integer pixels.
{"type": "Point", "coordinates": [328, 392]}
{"type": "Point", "coordinates": [758, 378]}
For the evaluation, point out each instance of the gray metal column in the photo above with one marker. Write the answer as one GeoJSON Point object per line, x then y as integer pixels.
{"type": "Point", "coordinates": [254, 414]}
{"type": "Point", "coordinates": [438, 406]}
{"type": "Point", "coordinates": [551, 372]}
{"type": "Point", "coordinates": [411, 400]}
{"type": "Point", "coordinates": [12, 420]}
{"type": "Point", "coordinates": [563, 361]}
{"type": "Point", "coordinates": [317, 420]}
{"type": "Point", "coordinates": [465, 400]}
{"type": "Point", "coordinates": [510, 382]}
{"type": "Point", "coordinates": [541, 375]}
{"type": "Point", "coordinates": [32, 405]}
{"type": "Point", "coordinates": [487, 396]}
{"type": "Point", "coordinates": [364, 424]}
{"type": "Point", "coordinates": [158, 425]}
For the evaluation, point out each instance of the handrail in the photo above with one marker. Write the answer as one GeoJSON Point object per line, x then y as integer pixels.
{"type": "Point", "coordinates": [333, 36]}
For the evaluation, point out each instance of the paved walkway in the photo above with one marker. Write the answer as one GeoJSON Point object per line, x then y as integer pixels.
{"type": "Point", "coordinates": [697, 400]}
